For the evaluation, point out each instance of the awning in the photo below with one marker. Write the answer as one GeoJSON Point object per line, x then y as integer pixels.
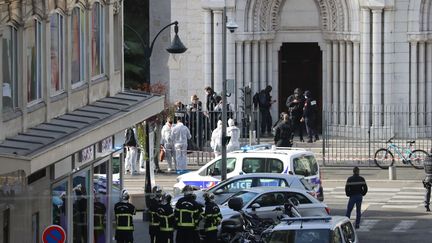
{"type": "Point", "coordinates": [62, 136]}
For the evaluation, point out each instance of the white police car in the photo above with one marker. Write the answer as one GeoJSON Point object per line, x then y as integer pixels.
{"type": "Point", "coordinates": [336, 229]}
{"type": "Point", "coordinates": [294, 161]}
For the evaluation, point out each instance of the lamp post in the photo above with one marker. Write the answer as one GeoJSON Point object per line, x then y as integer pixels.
{"type": "Point", "coordinates": [176, 47]}
{"type": "Point", "coordinates": [232, 26]}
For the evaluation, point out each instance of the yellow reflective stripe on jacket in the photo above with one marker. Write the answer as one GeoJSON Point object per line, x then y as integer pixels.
{"type": "Point", "coordinates": [124, 227]}
{"type": "Point", "coordinates": [186, 224]}
{"type": "Point", "coordinates": [166, 219]}
{"type": "Point", "coordinates": [153, 221]}
{"type": "Point", "coordinates": [211, 228]}
{"type": "Point", "coordinates": [98, 224]}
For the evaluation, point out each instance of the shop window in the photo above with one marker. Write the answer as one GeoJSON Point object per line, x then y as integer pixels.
{"type": "Point", "coordinates": [10, 68]}
{"type": "Point", "coordinates": [100, 202]}
{"type": "Point", "coordinates": [34, 62]}
{"type": "Point", "coordinates": [57, 53]}
{"type": "Point", "coordinates": [78, 44]}
{"type": "Point", "coordinates": [80, 206]}
{"type": "Point", "coordinates": [35, 228]}
{"type": "Point", "coordinates": [116, 163]}
{"type": "Point", "coordinates": [6, 226]}
{"type": "Point", "coordinates": [59, 205]}
{"type": "Point", "coordinates": [97, 40]}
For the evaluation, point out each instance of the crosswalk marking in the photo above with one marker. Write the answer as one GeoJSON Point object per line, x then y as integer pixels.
{"type": "Point", "coordinates": [404, 226]}
{"type": "Point", "coordinates": [367, 225]}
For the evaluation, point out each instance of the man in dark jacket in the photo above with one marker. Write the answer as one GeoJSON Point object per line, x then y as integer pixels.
{"type": "Point", "coordinates": [166, 220]}
{"type": "Point", "coordinates": [283, 133]}
{"type": "Point", "coordinates": [427, 181]}
{"type": "Point", "coordinates": [187, 215]}
{"type": "Point", "coordinates": [355, 189]}
{"type": "Point", "coordinates": [124, 212]}
{"type": "Point", "coordinates": [310, 110]}
{"type": "Point", "coordinates": [212, 218]}
{"type": "Point", "coordinates": [264, 100]}
{"type": "Point", "coordinates": [295, 104]}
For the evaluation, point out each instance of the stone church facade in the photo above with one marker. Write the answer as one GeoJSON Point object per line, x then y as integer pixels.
{"type": "Point", "coordinates": [362, 59]}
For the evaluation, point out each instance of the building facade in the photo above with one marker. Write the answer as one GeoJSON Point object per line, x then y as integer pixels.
{"type": "Point", "coordinates": [63, 115]}
{"type": "Point", "coordinates": [362, 59]}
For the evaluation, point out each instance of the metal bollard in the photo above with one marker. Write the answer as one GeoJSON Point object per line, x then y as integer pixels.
{"type": "Point", "coordinates": [392, 173]}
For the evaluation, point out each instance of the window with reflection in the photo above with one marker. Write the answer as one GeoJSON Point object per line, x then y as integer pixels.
{"type": "Point", "coordinates": [80, 206]}
{"type": "Point", "coordinates": [116, 186]}
{"type": "Point", "coordinates": [34, 62]}
{"type": "Point", "coordinates": [59, 205]}
{"type": "Point", "coordinates": [97, 34]}
{"type": "Point", "coordinates": [78, 43]}
{"type": "Point", "coordinates": [100, 202]}
{"type": "Point", "coordinates": [57, 52]}
{"type": "Point", "coordinates": [10, 68]}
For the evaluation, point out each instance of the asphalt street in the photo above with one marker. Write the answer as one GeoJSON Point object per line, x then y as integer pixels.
{"type": "Point", "coordinates": [392, 211]}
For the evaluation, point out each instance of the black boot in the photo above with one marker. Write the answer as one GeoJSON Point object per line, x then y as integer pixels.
{"type": "Point", "coordinates": [427, 208]}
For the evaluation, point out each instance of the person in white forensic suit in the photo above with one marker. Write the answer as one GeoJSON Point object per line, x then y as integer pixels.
{"type": "Point", "coordinates": [216, 139]}
{"type": "Point", "coordinates": [167, 142]}
{"type": "Point", "coordinates": [180, 135]}
{"type": "Point", "coordinates": [234, 132]}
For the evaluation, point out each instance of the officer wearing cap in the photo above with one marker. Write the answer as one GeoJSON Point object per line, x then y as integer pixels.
{"type": "Point", "coordinates": [154, 203]}
{"type": "Point", "coordinates": [165, 215]}
{"type": "Point", "coordinates": [124, 212]}
{"type": "Point", "coordinates": [187, 215]}
{"type": "Point", "coordinates": [427, 181]}
{"type": "Point", "coordinates": [212, 218]}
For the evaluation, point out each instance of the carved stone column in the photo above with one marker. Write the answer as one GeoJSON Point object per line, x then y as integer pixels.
{"type": "Point", "coordinates": [207, 60]}
{"type": "Point", "coordinates": [217, 50]}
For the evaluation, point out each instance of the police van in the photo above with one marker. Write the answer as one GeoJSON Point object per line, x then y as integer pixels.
{"type": "Point", "coordinates": [294, 161]}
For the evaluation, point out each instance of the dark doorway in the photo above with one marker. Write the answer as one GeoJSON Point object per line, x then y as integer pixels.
{"type": "Point", "coordinates": [300, 66]}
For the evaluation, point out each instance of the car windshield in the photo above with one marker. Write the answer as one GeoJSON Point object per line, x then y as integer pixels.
{"type": "Point", "coordinates": [300, 236]}
{"type": "Point", "coordinates": [305, 166]}
{"type": "Point", "coordinates": [246, 196]}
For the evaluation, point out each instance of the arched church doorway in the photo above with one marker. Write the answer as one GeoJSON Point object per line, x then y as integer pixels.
{"type": "Point", "coordinates": [300, 66]}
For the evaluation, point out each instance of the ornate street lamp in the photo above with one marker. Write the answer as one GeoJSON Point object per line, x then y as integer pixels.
{"type": "Point", "coordinates": [176, 47]}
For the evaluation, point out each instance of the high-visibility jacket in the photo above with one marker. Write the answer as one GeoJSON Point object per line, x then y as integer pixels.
{"type": "Point", "coordinates": [212, 216]}
{"type": "Point", "coordinates": [153, 208]}
{"type": "Point", "coordinates": [187, 213]}
{"type": "Point", "coordinates": [165, 215]}
{"type": "Point", "coordinates": [99, 216]}
{"type": "Point", "coordinates": [124, 212]}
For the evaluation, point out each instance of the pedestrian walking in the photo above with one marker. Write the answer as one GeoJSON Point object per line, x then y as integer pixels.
{"type": "Point", "coordinates": [283, 133]}
{"type": "Point", "coordinates": [167, 143]}
{"type": "Point", "coordinates": [355, 188]}
{"type": "Point", "coordinates": [295, 103]}
{"type": "Point", "coordinates": [427, 181]}
{"type": "Point", "coordinates": [131, 151]}
{"type": "Point", "coordinates": [310, 112]}
{"type": "Point", "coordinates": [165, 214]}
{"type": "Point", "coordinates": [124, 212]}
{"type": "Point", "coordinates": [212, 218]}
{"type": "Point", "coordinates": [216, 139]}
{"type": "Point", "coordinates": [234, 133]}
{"type": "Point", "coordinates": [187, 215]}
{"type": "Point", "coordinates": [264, 101]}
{"type": "Point", "coordinates": [180, 135]}
{"type": "Point", "coordinates": [154, 204]}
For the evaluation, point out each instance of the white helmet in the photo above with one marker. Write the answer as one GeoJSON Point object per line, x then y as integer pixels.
{"type": "Point", "coordinates": [125, 194]}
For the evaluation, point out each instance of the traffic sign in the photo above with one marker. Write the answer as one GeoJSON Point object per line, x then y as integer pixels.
{"type": "Point", "coordinates": [54, 234]}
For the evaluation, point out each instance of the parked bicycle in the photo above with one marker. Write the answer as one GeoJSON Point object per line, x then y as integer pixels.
{"type": "Point", "coordinates": [385, 158]}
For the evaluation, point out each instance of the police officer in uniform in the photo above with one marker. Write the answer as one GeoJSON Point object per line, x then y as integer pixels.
{"type": "Point", "coordinates": [165, 214]}
{"type": "Point", "coordinates": [212, 218]}
{"type": "Point", "coordinates": [427, 182]}
{"type": "Point", "coordinates": [295, 103]}
{"type": "Point", "coordinates": [187, 215]}
{"type": "Point", "coordinates": [124, 212]}
{"type": "Point", "coordinates": [154, 203]}
{"type": "Point", "coordinates": [283, 133]}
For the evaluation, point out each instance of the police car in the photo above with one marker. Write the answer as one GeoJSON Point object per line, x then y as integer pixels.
{"type": "Point", "coordinates": [232, 185]}
{"type": "Point", "coordinates": [294, 161]}
{"type": "Point", "coordinates": [336, 229]}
